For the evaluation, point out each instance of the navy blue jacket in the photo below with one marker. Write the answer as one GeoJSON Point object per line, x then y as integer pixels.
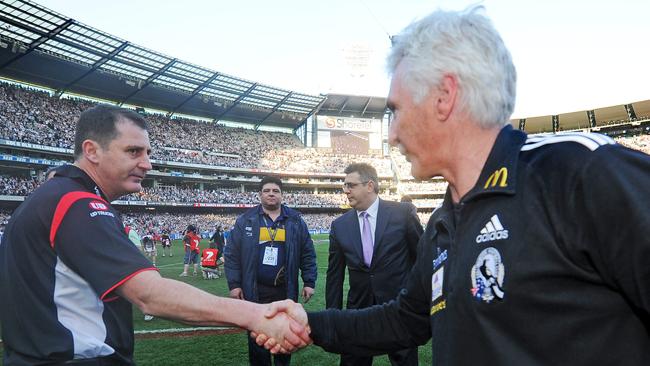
{"type": "Point", "coordinates": [241, 255]}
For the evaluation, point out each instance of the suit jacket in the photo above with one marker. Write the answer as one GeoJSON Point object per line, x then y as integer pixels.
{"type": "Point", "coordinates": [397, 234]}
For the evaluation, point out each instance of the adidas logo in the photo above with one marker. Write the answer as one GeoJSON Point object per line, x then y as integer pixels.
{"type": "Point", "coordinates": [493, 230]}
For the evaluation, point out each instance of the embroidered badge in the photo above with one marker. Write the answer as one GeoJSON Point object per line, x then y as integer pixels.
{"type": "Point", "coordinates": [487, 276]}
{"type": "Point", "coordinates": [441, 258]}
{"type": "Point", "coordinates": [437, 307]}
{"type": "Point", "coordinates": [498, 178]}
{"type": "Point", "coordinates": [98, 205]}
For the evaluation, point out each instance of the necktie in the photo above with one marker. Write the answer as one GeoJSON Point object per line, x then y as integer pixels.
{"type": "Point", "coordinates": [366, 239]}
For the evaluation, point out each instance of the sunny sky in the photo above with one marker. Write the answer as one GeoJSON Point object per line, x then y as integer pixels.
{"type": "Point", "coordinates": [570, 55]}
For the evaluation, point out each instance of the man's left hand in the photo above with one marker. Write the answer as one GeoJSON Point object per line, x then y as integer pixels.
{"type": "Point", "coordinates": [307, 293]}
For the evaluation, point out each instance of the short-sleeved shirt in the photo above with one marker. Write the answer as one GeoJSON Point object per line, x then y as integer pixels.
{"type": "Point", "coordinates": [64, 253]}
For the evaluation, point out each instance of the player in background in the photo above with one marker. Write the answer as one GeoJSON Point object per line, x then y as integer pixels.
{"type": "Point", "coordinates": [191, 243]}
{"type": "Point", "coordinates": [210, 262]}
{"type": "Point", "coordinates": [166, 243]}
{"type": "Point", "coordinates": [149, 248]}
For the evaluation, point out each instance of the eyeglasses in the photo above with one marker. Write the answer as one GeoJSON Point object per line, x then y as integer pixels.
{"type": "Point", "coordinates": [350, 185]}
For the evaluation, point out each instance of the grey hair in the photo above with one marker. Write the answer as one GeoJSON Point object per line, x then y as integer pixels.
{"type": "Point", "coordinates": [464, 44]}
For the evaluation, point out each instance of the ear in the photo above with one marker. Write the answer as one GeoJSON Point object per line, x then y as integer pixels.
{"type": "Point", "coordinates": [371, 186]}
{"type": "Point", "coordinates": [91, 150]}
{"type": "Point", "coordinates": [446, 98]}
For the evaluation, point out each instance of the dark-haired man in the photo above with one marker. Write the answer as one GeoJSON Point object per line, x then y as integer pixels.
{"type": "Point", "coordinates": [76, 307]}
{"type": "Point", "coordinates": [269, 245]}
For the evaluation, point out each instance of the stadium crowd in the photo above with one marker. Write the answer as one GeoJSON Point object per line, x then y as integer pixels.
{"type": "Point", "coordinates": [17, 186]}
{"type": "Point", "coordinates": [638, 142]}
{"type": "Point", "coordinates": [427, 202]}
{"type": "Point", "coordinates": [175, 223]}
{"type": "Point", "coordinates": [4, 217]}
{"type": "Point", "coordinates": [30, 115]}
{"type": "Point", "coordinates": [438, 186]}
{"type": "Point", "coordinates": [189, 195]}
{"type": "Point", "coordinates": [35, 116]}
{"type": "Point", "coordinates": [22, 186]}
{"type": "Point", "coordinates": [402, 166]}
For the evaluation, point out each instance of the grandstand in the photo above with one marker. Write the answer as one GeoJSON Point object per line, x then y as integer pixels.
{"type": "Point", "coordinates": [205, 169]}
{"type": "Point", "coordinates": [55, 67]}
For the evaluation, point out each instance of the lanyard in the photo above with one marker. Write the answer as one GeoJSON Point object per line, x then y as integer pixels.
{"type": "Point", "coordinates": [272, 233]}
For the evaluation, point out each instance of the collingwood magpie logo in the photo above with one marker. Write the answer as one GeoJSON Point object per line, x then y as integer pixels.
{"type": "Point", "coordinates": [487, 276]}
{"type": "Point", "coordinates": [493, 230]}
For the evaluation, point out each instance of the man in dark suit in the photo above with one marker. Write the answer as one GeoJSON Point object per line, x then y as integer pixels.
{"type": "Point", "coordinates": [377, 242]}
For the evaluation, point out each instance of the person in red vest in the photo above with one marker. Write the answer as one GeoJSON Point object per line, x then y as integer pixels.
{"type": "Point", "coordinates": [210, 262]}
{"type": "Point", "coordinates": [191, 242]}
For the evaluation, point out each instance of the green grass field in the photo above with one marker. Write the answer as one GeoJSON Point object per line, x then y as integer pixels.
{"type": "Point", "coordinates": [227, 349]}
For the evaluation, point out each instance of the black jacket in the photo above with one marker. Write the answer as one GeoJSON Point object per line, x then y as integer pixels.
{"type": "Point", "coordinates": [543, 262]}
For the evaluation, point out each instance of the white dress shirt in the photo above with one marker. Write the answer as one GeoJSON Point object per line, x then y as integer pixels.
{"type": "Point", "coordinates": [372, 217]}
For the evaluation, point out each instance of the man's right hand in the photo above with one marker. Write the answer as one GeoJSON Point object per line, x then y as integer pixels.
{"type": "Point", "coordinates": [237, 293]}
{"type": "Point", "coordinates": [293, 310]}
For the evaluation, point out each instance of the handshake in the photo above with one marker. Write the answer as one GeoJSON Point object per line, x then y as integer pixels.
{"type": "Point", "coordinates": [282, 328]}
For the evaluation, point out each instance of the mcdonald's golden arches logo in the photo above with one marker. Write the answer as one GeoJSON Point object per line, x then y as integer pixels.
{"type": "Point", "coordinates": [499, 177]}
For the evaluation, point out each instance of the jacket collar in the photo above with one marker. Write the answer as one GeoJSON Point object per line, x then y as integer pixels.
{"type": "Point", "coordinates": [284, 212]}
{"type": "Point", "coordinates": [498, 176]}
{"type": "Point", "coordinates": [500, 170]}
{"type": "Point", "coordinates": [76, 173]}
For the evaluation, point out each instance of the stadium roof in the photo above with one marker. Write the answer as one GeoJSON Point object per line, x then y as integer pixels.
{"type": "Point", "coordinates": [353, 106]}
{"type": "Point", "coordinates": [40, 46]}
{"type": "Point", "coordinates": [586, 120]}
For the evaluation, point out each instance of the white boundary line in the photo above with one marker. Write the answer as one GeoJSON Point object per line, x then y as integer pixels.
{"type": "Point", "coordinates": [171, 265]}
{"type": "Point", "coordinates": [178, 330]}
{"type": "Point", "coordinates": [181, 330]}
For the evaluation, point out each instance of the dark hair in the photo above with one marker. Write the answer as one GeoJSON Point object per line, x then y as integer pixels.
{"type": "Point", "coordinates": [406, 198]}
{"type": "Point", "coordinates": [266, 180]}
{"type": "Point", "coordinates": [99, 124]}
{"type": "Point", "coordinates": [191, 228]}
{"type": "Point", "coordinates": [366, 171]}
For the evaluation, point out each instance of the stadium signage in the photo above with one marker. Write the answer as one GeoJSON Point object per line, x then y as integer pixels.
{"type": "Point", "coordinates": [348, 124]}
{"type": "Point", "coordinates": [209, 204]}
{"type": "Point", "coordinates": [35, 146]}
{"type": "Point", "coordinates": [11, 198]}
{"type": "Point", "coordinates": [25, 159]}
